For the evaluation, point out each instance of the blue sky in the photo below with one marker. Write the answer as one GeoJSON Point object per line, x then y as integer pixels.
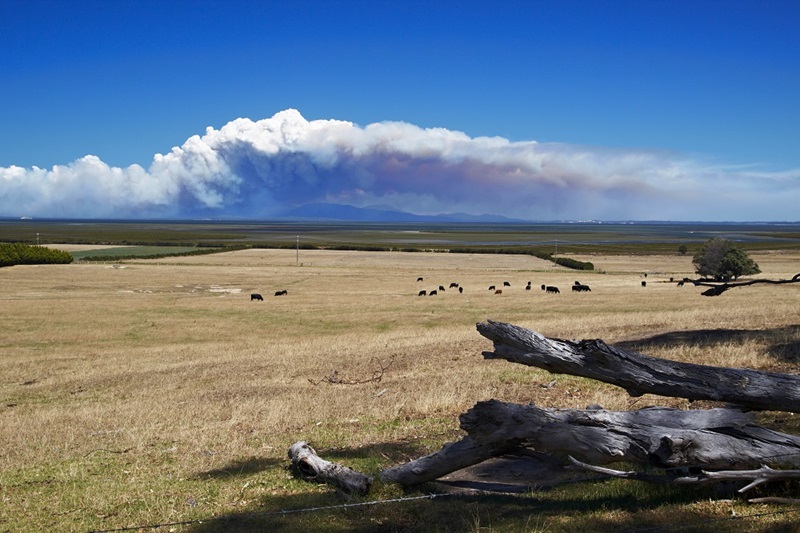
{"type": "Point", "coordinates": [704, 94]}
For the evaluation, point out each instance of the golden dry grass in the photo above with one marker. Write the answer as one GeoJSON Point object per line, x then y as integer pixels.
{"type": "Point", "coordinates": [124, 388]}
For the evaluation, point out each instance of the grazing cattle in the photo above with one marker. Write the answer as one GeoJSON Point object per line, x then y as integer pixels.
{"type": "Point", "coordinates": [577, 283]}
{"type": "Point", "coordinates": [644, 284]}
{"type": "Point", "coordinates": [506, 284]}
{"type": "Point", "coordinates": [256, 296]}
{"type": "Point", "coordinates": [680, 283]}
{"type": "Point", "coordinates": [441, 288]}
{"type": "Point", "coordinates": [499, 291]}
{"type": "Point", "coordinates": [492, 287]}
{"type": "Point", "coordinates": [453, 285]}
{"type": "Point", "coordinates": [433, 293]}
{"type": "Point", "coordinates": [422, 293]}
{"type": "Point", "coordinates": [284, 292]}
{"type": "Point", "coordinates": [581, 288]}
{"type": "Point", "coordinates": [552, 289]}
{"type": "Point", "coordinates": [528, 287]}
{"type": "Point", "coordinates": [420, 279]}
{"type": "Point", "coordinates": [460, 290]}
{"type": "Point", "coordinates": [543, 287]}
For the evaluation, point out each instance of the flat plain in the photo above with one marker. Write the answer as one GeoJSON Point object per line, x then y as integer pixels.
{"type": "Point", "coordinates": [154, 391]}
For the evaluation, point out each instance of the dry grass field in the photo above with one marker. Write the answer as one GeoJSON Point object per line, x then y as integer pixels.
{"type": "Point", "coordinates": [154, 392]}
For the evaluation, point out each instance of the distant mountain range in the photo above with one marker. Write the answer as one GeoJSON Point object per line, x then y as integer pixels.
{"type": "Point", "coordinates": [324, 211]}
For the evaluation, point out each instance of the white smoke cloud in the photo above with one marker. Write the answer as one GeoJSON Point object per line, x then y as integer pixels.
{"type": "Point", "coordinates": [263, 168]}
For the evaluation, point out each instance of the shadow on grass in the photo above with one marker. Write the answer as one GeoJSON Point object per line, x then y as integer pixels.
{"type": "Point", "coordinates": [395, 451]}
{"type": "Point", "coordinates": [782, 343]}
{"type": "Point", "coordinates": [652, 509]}
{"type": "Point", "coordinates": [241, 467]}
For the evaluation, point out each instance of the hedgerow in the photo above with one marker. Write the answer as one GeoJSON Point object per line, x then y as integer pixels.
{"type": "Point", "coordinates": [573, 263]}
{"type": "Point", "coordinates": [563, 261]}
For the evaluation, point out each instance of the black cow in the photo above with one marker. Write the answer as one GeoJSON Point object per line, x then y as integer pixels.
{"type": "Point", "coordinates": [581, 288]}
{"type": "Point", "coordinates": [680, 283]}
{"type": "Point", "coordinates": [644, 284]}
{"type": "Point", "coordinates": [543, 287]}
{"type": "Point", "coordinates": [492, 287]}
{"type": "Point", "coordinates": [453, 285]}
{"type": "Point", "coordinates": [441, 288]}
{"type": "Point", "coordinates": [499, 291]}
{"type": "Point", "coordinates": [420, 279]}
{"type": "Point", "coordinates": [284, 292]}
{"type": "Point", "coordinates": [422, 293]}
{"type": "Point", "coordinates": [256, 296]}
{"type": "Point", "coordinates": [506, 284]}
{"type": "Point", "coordinates": [432, 293]}
{"type": "Point", "coordinates": [460, 290]}
{"type": "Point", "coordinates": [528, 287]}
{"type": "Point", "coordinates": [552, 289]}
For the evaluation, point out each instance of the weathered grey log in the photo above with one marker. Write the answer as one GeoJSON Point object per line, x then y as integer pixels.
{"type": "Point", "coordinates": [640, 374]}
{"type": "Point", "coordinates": [311, 467]}
{"type": "Point", "coordinates": [656, 436]}
{"type": "Point", "coordinates": [756, 477]}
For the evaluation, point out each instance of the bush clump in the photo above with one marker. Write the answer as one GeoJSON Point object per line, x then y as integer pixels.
{"type": "Point", "coordinates": [25, 254]}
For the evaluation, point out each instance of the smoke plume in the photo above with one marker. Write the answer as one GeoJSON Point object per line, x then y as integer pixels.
{"type": "Point", "coordinates": [260, 169]}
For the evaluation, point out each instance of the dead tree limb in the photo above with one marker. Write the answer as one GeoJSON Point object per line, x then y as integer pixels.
{"type": "Point", "coordinates": [640, 374]}
{"type": "Point", "coordinates": [717, 288]}
{"type": "Point", "coordinates": [655, 436]}
{"type": "Point", "coordinates": [756, 477]}
{"type": "Point", "coordinates": [313, 468]}
{"type": "Point", "coordinates": [453, 456]}
{"type": "Point", "coordinates": [335, 379]}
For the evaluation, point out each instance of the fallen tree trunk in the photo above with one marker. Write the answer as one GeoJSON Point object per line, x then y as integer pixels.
{"type": "Point", "coordinates": [311, 467]}
{"type": "Point", "coordinates": [640, 374]}
{"type": "Point", "coordinates": [657, 436]}
{"type": "Point", "coordinates": [453, 456]}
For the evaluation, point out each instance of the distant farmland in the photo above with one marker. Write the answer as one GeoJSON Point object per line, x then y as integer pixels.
{"type": "Point", "coordinates": [549, 238]}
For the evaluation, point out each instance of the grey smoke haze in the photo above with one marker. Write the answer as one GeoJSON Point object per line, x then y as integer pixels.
{"type": "Point", "coordinates": [260, 169]}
